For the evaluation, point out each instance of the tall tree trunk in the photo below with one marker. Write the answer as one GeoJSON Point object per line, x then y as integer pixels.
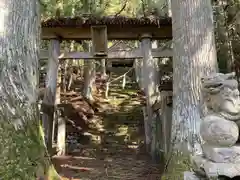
{"type": "Point", "coordinates": [59, 10]}
{"type": "Point", "coordinates": [138, 66]}
{"type": "Point", "coordinates": [169, 8]}
{"type": "Point", "coordinates": [224, 44]}
{"type": "Point", "coordinates": [89, 65]}
{"type": "Point", "coordinates": [89, 75]}
{"type": "Point", "coordinates": [194, 57]}
{"type": "Point", "coordinates": [233, 16]}
{"type": "Point", "coordinates": [23, 153]}
{"type": "Point", "coordinates": [69, 65]}
{"type": "Point", "coordinates": [89, 79]}
{"type": "Point", "coordinates": [103, 68]}
{"type": "Point", "coordinates": [162, 6]}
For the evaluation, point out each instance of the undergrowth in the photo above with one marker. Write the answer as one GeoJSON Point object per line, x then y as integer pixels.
{"type": "Point", "coordinates": [22, 152]}
{"type": "Point", "coordinates": [175, 167]}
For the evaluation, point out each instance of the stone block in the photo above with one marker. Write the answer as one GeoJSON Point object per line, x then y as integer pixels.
{"type": "Point", "coordinates": [191, 176]}
{"type": "Point", "coordinates": [222, 154]}
{"type": "Point", "coordinates": [214, 170]}
{"type": "Point", "coordinates": [217, 131]}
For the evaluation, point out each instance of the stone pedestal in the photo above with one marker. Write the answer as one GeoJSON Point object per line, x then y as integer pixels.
{"type": "Point", "coordinates": [222, 154]}
{"type": "Point", "coordinates": [218, 131]}
{"type": "Point", "coordinates": [213, 169]}
{"type": "Point", "coordinates": [219, 128]}
{"type": "Point", "coordinates": [191, 176]}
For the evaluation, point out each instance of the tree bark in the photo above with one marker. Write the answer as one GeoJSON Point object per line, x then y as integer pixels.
{"type": "Point", "coordinates": [89, 75]}
{"type": "Point", "coordinates": [89, 79]}
{"type": "Point", "coordinates": [23, 153]}
{"type": "Point", "coordinates": [89, 65]}
{"type": "Point", "coordinates": [194, 57]}
{"type": "Point", "coordinates": [69, 63]}
{"type": "Point", "coordinates": [224, 43]}
{"type": "Point", "coordinates": [233, 16]}
{"type": "Point", "coordinates": [103, 68]}
{"type": "Point", "coordinates": [138, 66]}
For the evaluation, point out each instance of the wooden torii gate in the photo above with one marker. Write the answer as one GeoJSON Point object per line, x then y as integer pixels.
{"type": "Point", "coordinates": [100, 30]}
{"type": "Point", "coordinates": [123, 54]}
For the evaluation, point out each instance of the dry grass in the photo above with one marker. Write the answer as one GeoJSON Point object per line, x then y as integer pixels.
{"type": "Point", "coordinates": [111, 167]}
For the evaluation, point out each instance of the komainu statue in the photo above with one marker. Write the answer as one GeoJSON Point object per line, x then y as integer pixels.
{"type": "Point", "coordinates": [221, 95]}
{"type": "Point", "coordinates": [219, 129]}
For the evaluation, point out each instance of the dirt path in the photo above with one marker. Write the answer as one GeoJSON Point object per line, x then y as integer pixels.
{"type": "Point", "coordinates": [113, 149]}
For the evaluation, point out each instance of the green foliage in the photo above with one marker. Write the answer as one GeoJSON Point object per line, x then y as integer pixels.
{"type": "Point", "coordinates": [178, 163]}
{"type": "Point", "coordinates": [131, 8]}
{"type": "Point", "coordinates": [21, 151]}
{"type": "Point", "coordinates": [227, 37]}
{"type": "Point", "coordinates": [222, 64]}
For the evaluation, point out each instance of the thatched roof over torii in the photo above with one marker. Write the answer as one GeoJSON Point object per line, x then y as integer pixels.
{"type": "Point", "coordinates": [118, 27]}
{"type": "Point", "coordinates": [106, 20]}
{"type": "Point", "coordinates": [119, 46]}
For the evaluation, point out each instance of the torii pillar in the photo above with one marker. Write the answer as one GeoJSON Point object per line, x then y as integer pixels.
{"type": "Point", "coordinates": [150, 82]}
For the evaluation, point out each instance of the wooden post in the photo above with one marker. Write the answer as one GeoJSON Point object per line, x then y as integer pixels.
{"type": "Point", "coordinates": [163, 108]}
{"type": "Point", "coordinates": [48, 104]}
{"type": "Point", "coordinates": [146, 129]}
{"type": "Point", "coordinates": [150, 87]}
{"type": "Point", "coordinates": [99, 40]}
{"type": "Point", "coordinates": [61, 146]}
{"type": "Point", "coordinates": [166, 109]}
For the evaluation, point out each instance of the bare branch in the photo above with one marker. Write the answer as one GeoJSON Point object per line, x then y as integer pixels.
{"type": "Point", "coordinates": [123, 7]}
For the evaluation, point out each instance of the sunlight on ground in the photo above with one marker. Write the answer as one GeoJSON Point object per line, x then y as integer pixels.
{"type": "Point", "coordinates": [122, 130]}
{"type": "Point", "coordinates": [115, 152]}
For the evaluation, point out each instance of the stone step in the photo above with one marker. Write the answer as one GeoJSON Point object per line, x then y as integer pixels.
{"type": "Point", "coordinates": [191, 176]}
{"type": "Point", "coordinates": [222, 154]}
{"type": "Point", "coordinates": [214, 170]}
